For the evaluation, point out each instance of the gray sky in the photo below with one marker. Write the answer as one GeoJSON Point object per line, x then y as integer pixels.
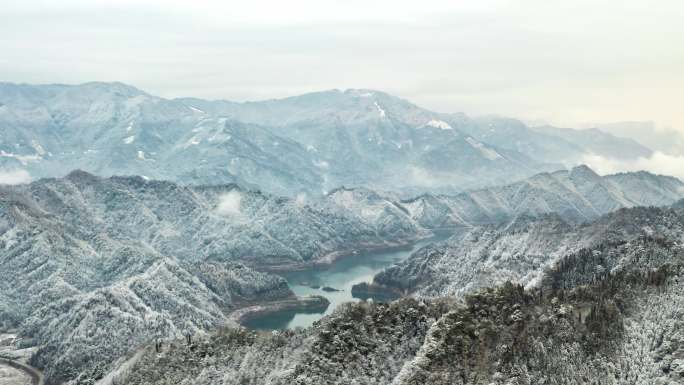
{"type": "Point", "coordinates": [568, 62]}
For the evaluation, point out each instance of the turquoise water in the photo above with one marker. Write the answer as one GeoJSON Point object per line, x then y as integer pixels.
{"type": "Point", "coordinates": [341, 275]}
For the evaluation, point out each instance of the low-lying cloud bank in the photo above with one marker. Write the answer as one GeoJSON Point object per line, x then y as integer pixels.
{"type": "Point", "coordinates": [658, 163]}
{"type": "Point", "coordinates": [229, 204]}
{"type": "Point", "coordinates": [11, 177]}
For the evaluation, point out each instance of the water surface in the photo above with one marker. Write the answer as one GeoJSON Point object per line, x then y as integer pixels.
{"type": "Point", "coordinates": [341, 276]}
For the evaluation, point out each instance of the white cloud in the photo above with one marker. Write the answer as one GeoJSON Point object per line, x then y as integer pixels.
{"type": "Point", "coordinates": [491, 56]}
{"type": "Point", "coordinates": [14, 177]}
{"type": "Point", "coordinates": [229, 204]}
{"type": "Point", "coordinates": [300, 200]}
{"type": "Point", "coordinates": [422, 177]}
{"type": "Point", "coordinates": [658, 163]}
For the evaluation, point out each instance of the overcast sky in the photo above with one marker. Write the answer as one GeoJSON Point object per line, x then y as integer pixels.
{"type": "Point", "coordinates": [566, 62]}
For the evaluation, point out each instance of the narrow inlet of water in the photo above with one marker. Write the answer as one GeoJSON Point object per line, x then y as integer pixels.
{"type": "Point", "coordinates": [340, 277]}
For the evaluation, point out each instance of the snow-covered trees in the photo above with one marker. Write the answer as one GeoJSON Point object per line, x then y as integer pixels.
{"type": "Point", "coordinates": [609, 314]}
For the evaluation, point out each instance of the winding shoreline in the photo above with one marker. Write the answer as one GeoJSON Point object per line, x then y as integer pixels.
{"type": "Point", "coordinates": [35, 374]}
{"type": "Point", "coordinates": [311, 303]}
{"type": "Point", "coordinates": [330, 258]}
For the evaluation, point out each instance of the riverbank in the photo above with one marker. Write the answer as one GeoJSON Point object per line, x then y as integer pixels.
{"type": "Point", "coordinates": [365, 290]}
{"type": "Point", "coordinates": [299, 304]}
{"type": "Point", "coordinates": [328, 259]}
{"type": "Point", "coordinates": [36, 376]}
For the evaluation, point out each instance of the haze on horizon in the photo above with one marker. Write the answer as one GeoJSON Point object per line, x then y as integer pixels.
{"type": "Point", "coordinates": [572, 64]}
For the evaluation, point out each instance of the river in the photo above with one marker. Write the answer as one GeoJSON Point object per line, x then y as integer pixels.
{"type": "Point", "coordinates": [341, 275]}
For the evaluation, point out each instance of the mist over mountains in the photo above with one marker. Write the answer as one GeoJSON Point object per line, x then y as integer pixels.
{"type": "Point", "coordinates": [154, 259]}
{"type": "Point", "coordinates": [131, 222]}
{"type": "Point", "coordinates": [309, 144]}
{"type": "Point", "coordinates": [605, 311]}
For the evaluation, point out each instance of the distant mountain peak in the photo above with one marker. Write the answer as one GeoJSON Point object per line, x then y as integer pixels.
{"type": "Point", "coordinates": [113, 87]}
{"type": "Point", "coordinates": [80, 175]}
{"type": "Point", "coordinates": [584, 171]}
{"type": "Point", "coordinates": [311, 142]}
{"type": "Point", "coordinates": [363, 92]}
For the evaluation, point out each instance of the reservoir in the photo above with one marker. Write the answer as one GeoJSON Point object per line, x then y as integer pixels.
{"type": "Point", "coordinates": [340, 276]}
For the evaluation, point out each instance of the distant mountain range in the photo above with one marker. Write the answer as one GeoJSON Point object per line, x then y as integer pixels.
{"type": "Point", "coordinates": [666, 140]}
{"type": "Point", "coordinates": [577, 195]}
{"type": "Point", "coordinates": [310, 144]}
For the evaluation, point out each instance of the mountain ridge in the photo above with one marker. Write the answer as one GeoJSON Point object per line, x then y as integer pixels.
{"type": "Point", "coordinates": [610, 312]}
{"type": "Point", "coordinates": [307, 143]}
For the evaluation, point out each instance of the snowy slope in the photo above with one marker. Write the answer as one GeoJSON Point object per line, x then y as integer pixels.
{"type": "Point", "coordinates": [577, 195]}
{"type": "Point", "coordinates": [519, 250]}
{"type": "Point", "coordinates": [310, 143]}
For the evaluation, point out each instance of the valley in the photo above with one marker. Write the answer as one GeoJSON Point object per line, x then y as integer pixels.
{"type": "Point", "coordinates": [341, 192]}
{"type": "Point", "coordinates": [610, 311]}
{"type": "Point", "coordinates": [290, 238]}
{"type": "Point", "coordinates": [335, 283]}
{"type": "Point", "coordinates": [117, 263]}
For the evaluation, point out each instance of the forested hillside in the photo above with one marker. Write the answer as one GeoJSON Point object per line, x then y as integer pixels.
{"type": "Point", "coordinates": [610, 314]}
{"type": "Point", "coordinates": [519, 250]}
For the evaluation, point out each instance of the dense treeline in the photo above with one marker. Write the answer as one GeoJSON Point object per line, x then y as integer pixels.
{"type": "Point", "coordinates": [580, 326]}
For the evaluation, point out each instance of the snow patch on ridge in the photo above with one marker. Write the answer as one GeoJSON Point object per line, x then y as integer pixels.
{"type": "Point", "coordinates": [24, 159]}
{"type": "Point", "coordinates": [129, 139]}
{"type": "Point", "coordinates": [380, 110]}
{"type": "Point", "coordinates": [439, 124]}
{"type": "Point", "coordinates": [486, 152]}
{"type": "Point", "coordinates": [36, 146]}
{"type": "Point", "coordinates": [229, 204]}
{"type": "Point", "coordinates": [322, 164]}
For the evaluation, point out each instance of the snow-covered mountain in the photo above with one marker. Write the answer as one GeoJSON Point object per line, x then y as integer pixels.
{"type": "Point", "coordinates": [152, 258]}
{"type": "Point", "coordinates": [105, 264]}
{"type": "Point", "coordinates": [595, 141]}
{"type": "Point", "coordinates": [114, 129]}
{"type": "Point", "coordinates": [310, 143]}
{"type": "Point", "coordinates": [370, 138]}
{"type": "Point", "coordinates": [610, 313]}
{"type": "Point", "coordinates": [95, 266]}
{"type": "Point", "coordinates": [520, 250]}
{"type": "Point", "coordinates": [577, 195]}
